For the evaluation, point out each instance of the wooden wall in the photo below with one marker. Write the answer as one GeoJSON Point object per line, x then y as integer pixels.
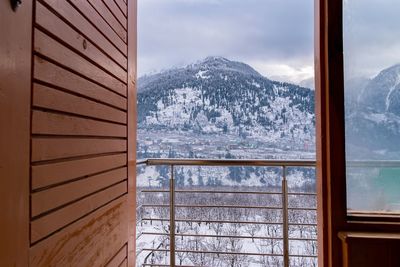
{"type": "Point", "coordinates": [79, 170]}
{"type": "Point", "coordinates": [72, 169]}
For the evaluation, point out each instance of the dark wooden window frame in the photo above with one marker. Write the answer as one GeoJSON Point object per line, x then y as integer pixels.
{"type": "Point", "coordinates": [331, 168]}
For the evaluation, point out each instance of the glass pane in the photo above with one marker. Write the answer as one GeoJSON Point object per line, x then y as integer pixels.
{"type": "Point", "coordinates": [372, 105]}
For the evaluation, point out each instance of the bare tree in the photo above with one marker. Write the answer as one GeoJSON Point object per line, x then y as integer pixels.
{"type": "Point", "coordinates": [217, 227]}
{"type": "Point", "coordinates": [215, 244]}
{"type": "Point", "coordinates": [197, 258]}
{"type": "Point", "coordinates": [181, 244]}
{"type": "Point", "coordinates": [234, 246]}
{"type": "Point", "coordinates": [311, 249]}
{"type": "Point", "coordinates": [263, 247]}
{"type": "Point", "coordinates": [252, 230]}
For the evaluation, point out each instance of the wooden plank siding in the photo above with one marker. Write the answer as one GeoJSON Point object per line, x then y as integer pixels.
{"type": "Point", "coordinates": [58, 148]}
{"type": "Point", "coordinates": [122, 6]}
{"type": "Point", "coordinates": [47, 123]}
{"type": "Point", "coordinates": [62, 102]}
{"type": "Point", "coordinates": [65, 193]}
{"type": "Point", "coordinates": [117, 13]}
{"type": "Point", "coordinates": [46, 175]}
{"type": "Point", "coordinates": [90, 241]}
{"type": "Point", "coordinates": [89, 29]}
{"type": "Point", "coordinates": [43, 226]}
{"type": "Point", "coordinates": [74, 84]}
{"type": "Point", "coordinates": [55, 51]}
{"type": "Point", "coordinates": [124, 263]}
{"type": "Point", "coordinates": [110, 18]}
{"type": "Point", "coordinates": [91, 14]}
{"type": "Point", "coordinates": [48, 21]}
{"type": "Point", "coordinates": [119, 258]}
{"type": "Point", "coordinates": [79, 174]}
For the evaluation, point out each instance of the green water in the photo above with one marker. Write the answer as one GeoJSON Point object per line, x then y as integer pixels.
{"type": "Point", "coordinates": [388, 182]}
{"type": "Point", "coordinates": [373, 189]}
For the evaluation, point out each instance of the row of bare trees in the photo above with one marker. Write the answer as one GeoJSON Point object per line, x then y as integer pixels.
{"type": "Point", "coordinates": [253, 236]}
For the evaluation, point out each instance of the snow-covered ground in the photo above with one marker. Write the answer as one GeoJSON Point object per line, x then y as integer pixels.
{"type": "Point", "coordinates": [260, 244]}
{"type": "Point", "coordinates": [240, 235]}
{"type": "Point", "coordinates": [185, 144]}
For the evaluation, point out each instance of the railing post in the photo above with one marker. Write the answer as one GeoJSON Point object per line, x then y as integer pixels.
{"type": "Point", "coordinates": [172, 218]}
{"type": "Point", "coordinates": [285, 218]}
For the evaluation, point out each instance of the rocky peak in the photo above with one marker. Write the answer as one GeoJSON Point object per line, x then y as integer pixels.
{"type": "Point", "coordinates": [223, 64]}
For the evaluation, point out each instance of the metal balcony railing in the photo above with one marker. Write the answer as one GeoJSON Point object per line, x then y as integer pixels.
{"type": "Point", "coordinates": [284, 222]}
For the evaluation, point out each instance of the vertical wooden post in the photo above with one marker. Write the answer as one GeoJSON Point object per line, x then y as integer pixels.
{"type": "Point", "coordinates": [330, 141]}
{"type": "Point", "coordinates": [285, 219]}
{"type": "Point", "coordinates": [132, 125]}
{"type": "Point", "coordinates": [172, 218]}
{"type": "Point", "coordinates": [15, 113]}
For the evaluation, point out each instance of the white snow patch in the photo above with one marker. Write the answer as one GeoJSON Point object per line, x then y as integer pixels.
{"type": "Point", "coordinates": [387, 102]}
{"type": "Point", "coordinates": [148, 177]}
{"type": "Point", "coordinates": [255, 84]}
{"type": "Point", "coordinates": [376, 117]}
{"type": "Point", "coordinates": [202, 74]}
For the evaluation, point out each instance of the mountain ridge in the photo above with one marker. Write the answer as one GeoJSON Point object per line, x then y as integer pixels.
{"type": "Point", "coordinates": [373, 116]}
{"type": "Point", "coordinates": [217, 95]}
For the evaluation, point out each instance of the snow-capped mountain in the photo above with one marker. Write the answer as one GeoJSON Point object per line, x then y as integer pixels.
{"type": "Point", "coordinates": [382, 94]}
{"type": "Point", "coordinates": [217, 95]}
{"type": "Point", "coordinates": [373, 117]}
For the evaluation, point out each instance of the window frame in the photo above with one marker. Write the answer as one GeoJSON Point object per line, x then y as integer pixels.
{"type": "Point", "coordinates": [330, 122]}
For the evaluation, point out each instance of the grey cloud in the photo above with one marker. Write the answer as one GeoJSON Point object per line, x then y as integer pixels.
{"type": "Point", "coordinates": [371, 36]}
{"type": "Point", "coordinates": [177, 32]}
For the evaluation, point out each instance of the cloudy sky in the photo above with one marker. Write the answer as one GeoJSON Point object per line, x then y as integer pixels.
{"type": "Point", "coordinates": [371, 36]}
{"type": "Point", "coordinates": [273, 36]}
